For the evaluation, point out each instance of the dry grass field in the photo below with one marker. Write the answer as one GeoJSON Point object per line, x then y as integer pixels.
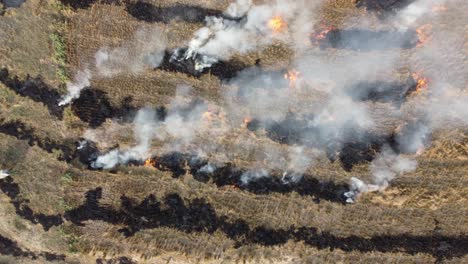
{"type": "Point", "coordinates": [55, 209]}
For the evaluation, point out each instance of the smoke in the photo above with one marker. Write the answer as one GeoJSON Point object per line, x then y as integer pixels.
{"type": "Point", "coordinates": [384, 168]}
{"type": "Point", "coordinates": [246, 28]}
{"type": "Point", "coordinates": [82, 80]}
{"type": "Point", "coordinates": [294, 125]}
{"type": "Point", "coordinates": [144, 123]}
{"type": "Point", "coordinates": [408, 16]}
{"type": "Point", "coordinates": [4, 174]}
{"type": "Point", "coordinates": [252, 176]}
{"type": "Point", "coordinates": [144, 51]}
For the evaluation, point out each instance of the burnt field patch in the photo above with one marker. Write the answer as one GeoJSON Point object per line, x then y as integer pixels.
{"type": "Point", "coordinates": [395, 93]}
{"type": "Point", "coordinates": [35, 89]}
{"type": "Point", "coordinates": [352, 148]}
{"type": "Point", "coordinates": [21, 131]}
{"type": "Point", "coordinates": [366, 40]}
{"type": "Point", "coordinates": [174, 61]}
{"type": "Point", "coordinates": [188, 13]}
{"type": "Point", "coordinates": [230, 175]}
{"type": "Point", "coordinates": [9, 247]}
{"type": "Point", "coordinates": [12, 190]}
{"type": "Point", "coordinates": [93, 107]}
{"type": "Point", "coordinates": [384, 7]}
{"type": "Point", "coordinates": [199, 216]}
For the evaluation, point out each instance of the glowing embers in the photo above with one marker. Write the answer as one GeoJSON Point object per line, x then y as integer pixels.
{"type": "Point", "coordinates": [150, 162]}
{"type": "Point", "coordinates": [277, 24]}
{"type": "Point", "coordinates": [424, 33]}
{"type": "Point", "coordinates": [422, 83]}
{"type": "Point", "coordinates": [292, 76]}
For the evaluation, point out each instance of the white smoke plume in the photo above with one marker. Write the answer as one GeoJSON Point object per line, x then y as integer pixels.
{"type": "Point", "coordinates": [82, 80]}
{"type": "Point", "coordinates": [221, 38]}
{"type": "Point", "coordinates": [144, 51]}
{"type": "Point", "coordinates": [384, 169]}
{"type": "Point", "coordinates": [4, 174]}
{"type": "Point", "coordinates": [144, 124]}
{"type": "Point", "coordinates": [408, 16]}
{"type": "Point", "coordinates": [322, 100]}
{"type": "Point", "coordinates": [253, 175]}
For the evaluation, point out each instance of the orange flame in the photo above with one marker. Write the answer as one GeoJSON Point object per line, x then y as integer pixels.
{"type": "Point", "coordinates": [321, 34]}
{"type": "Point", "coordinates": [150, 162]}
{"type": "Point", "coordinates": [421, 82]}
{"type": "Point", "coordinates": [208, 116]}
{"type": "Point", "coordinates": [277, 24]}
{"type": "Point", "coordinates": [424, 34]}
{"type": "Point", "coordinates": [246, 121]}
{"type": "Point", "coordinates": [292, 76]}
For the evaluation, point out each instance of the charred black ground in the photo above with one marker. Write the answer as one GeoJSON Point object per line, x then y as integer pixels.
{"type": "Point", "coordinates": [187, 13]}
{"type": "Point", "coordinates": [12, 190]}
{"type": "Point", "coordinates": [35, 89]}
{"type": "Point", "coordinates": [175, 61]}
{"type": "Point", "coordinates": [199, 216]}
{"type": "Point", "coordinates": [382, 91]}
{"type": "Point", "coordinates": [384, 7]}
{"type": "Point", "coordinates": [93, 107]}
{"type": "Point", "coordinates": [367, 40]}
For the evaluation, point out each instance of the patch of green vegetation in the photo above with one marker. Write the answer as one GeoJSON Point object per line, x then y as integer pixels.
{"type": "Point", "coordinates": [69, 233]}
{"type": "Point", "coordinates": [60, 56]}
{"type": "Point", "coordinates": [19, 225]}
{"type": "Point", "coordinates": [67, 177]}
{"type": "Point", "coordinates": [65, 205]}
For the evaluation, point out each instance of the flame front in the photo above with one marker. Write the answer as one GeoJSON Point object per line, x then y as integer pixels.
{"type": "Point", "coordinates": [246, 121]}
{"type": "Point", "coordinates": [277, 24]}
{"type": "Point", "coordinates": [150, 162]}
{"type": "Point", "coordinates": [424, 34]}
{"type": "Point", "coordinates": [292, 76]}
{"type": "Point", "coordinates": [320, 34]}
{"type": "Point", "coordinates": [421, 82]}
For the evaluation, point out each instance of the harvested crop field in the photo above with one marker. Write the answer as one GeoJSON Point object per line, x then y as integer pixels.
{"type": "Point", "coordinates": [174, 131]}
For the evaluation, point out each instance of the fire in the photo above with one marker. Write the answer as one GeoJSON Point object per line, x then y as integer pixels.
{"type": "Point", "coordinates": [422, 82]}
{"type": "Point", "coordinates": [277, 24]}
{"type": "Point", "coordinates": [321, 34]}
{"type": "Point", "coordinates": [420, 151]}
{"type": "Point", "coordinates": [208, 116]}
{"type": "Point", "coordinates": [439, 8]}
{"type": "Point", "coordinates": [292, 76]}
{"type": "Point", "coordinates": [246, 121]}
{"type": "Point", "coordinates": [150, 162]}
{"type": "Point", "coordinates": [424, 34]}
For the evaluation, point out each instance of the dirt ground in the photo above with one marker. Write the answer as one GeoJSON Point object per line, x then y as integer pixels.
{"type": "Point", "coordinates": [53, 208]}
